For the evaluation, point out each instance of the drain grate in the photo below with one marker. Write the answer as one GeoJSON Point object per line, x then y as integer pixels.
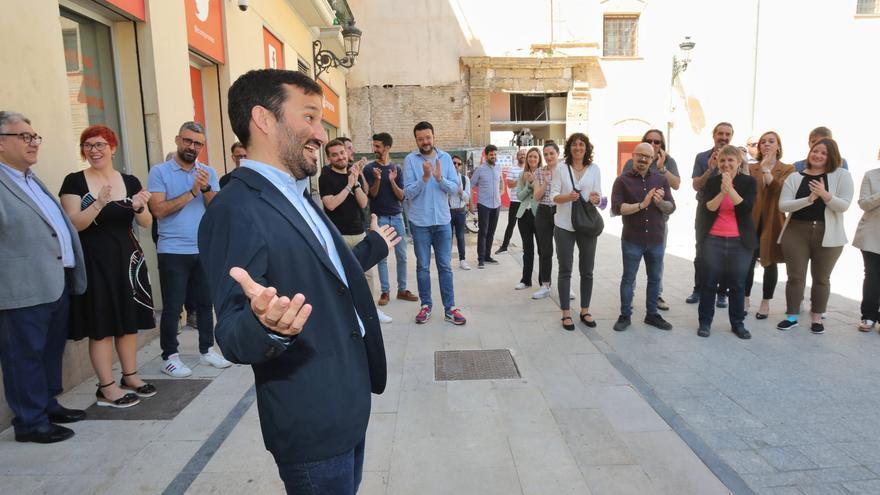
{"type": "Point", "coordinates": [488, 364]}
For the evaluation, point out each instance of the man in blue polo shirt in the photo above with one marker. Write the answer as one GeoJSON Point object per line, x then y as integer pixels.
{"type": "Point", "coordinates": [816, 134]}
{"type": "Point", "coordinates": [429, 178]}
{"type": "Point", "coordinates": [181, 189]}
{"type": "Point", "coordinates": [386, 196]}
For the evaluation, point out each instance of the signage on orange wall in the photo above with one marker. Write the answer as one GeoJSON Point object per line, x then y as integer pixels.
{"type": "Point", "coordinates": [198, 96]}
{"type": "Point", "coordinates": [331, 105]}
{"type": "Point", "coordinates": [273, 50]}
{"type": "Point", "coordinates": [204, 28]}
{"type": "Point", "coordinates": [133, 7]}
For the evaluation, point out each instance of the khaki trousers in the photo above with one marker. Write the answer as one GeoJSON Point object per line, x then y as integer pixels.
{"type": "Point", "coordinates": [802, 244]}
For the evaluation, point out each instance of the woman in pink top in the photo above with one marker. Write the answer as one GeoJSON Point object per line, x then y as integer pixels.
{"type": "Point", "coordinates": [728, 239]}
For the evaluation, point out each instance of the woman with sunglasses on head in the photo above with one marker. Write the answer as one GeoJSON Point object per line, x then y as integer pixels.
{"type": "Point", "coordinates": [578, 178]}
{"type": "Point", "coordinates": [101, 204]}
{"type": "Point", "coordinates": [813, 233]}
{"type": "Point", "coordinates": [528, 207]}
{"type": "Point", "coordinates": [727, 236]}
{"type": "Point", "coordinates": [665, 165]}
{"type": "Point", "coordinates": [769, 174]}
{"type": "Point", "coordinates": [544, 217]}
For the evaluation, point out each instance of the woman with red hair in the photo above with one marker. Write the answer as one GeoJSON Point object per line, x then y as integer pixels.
{"type": "Point", "coordinates": [101, 204]}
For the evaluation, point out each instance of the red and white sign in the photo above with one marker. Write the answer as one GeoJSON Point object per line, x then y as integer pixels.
{"type": "Point", "coordinates": [331, 105]}
{"type": "Point", "coordinates": [273, 49]}
{"type": "Point", "coordinates": [133, 7]}
{"type": "Point", "coordinates": [204, 28]}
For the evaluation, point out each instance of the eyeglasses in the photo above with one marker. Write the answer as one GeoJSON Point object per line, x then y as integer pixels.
{"type": "Point", "coordinates": [642, 155]}
{"type": "Point", "coordinates": [239, 157]}
{"type": "Point", "coordinates": [189, 142]}
{"type": "Point", "coordinates": [658, 142]}
{"type": "Point", "coordinates": [28, 138]}
{"type": "Point", "coordinates": [100, 146]}
{"type": "Point", "coordinates": [752, 145]}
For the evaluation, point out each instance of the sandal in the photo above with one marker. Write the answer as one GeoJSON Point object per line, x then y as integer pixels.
{"type": "Point", "coordinates": [589, 323]}
{"type": "Point", "coordinates": [145, 390]}
{"type": "Point", "coordinates": [570, 326]}
{"type": "Point", "coordinates": [126, 400]}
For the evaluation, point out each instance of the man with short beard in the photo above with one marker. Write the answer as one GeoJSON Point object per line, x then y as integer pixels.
{"type": "Point", "coordinates": [487, 180]}
{"type": "Point", "coordinates": [344, 198]}
{"type": "Point", "coordinates": [644, 199]}
{"type": "Point", "coordinates": [706, 167]}
{"type": "Point", "coordinates": [291, 297]}
{"type": "Point", "coordinates": [182, 188]}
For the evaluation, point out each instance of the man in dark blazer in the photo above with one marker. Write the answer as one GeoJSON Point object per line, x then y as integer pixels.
{"type": "Point", "coordinates": [291, 298]}
{"type": "Point", "coordinates": [41, 265]}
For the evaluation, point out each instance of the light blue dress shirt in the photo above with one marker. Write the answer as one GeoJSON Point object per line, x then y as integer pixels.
{"type": "Point", "coordinates": [179, 231]}
{"type": "Point", "coordinates": [50, 208]}
{"type": "Point", "coordinates": [293, 190]}
{"type": "Point", "coordinates": [487, 180]}
{"type": "Point", "coordinates": [429, 201]}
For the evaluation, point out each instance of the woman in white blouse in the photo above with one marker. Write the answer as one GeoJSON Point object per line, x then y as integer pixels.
{"type": "Point", "coordinates": [868, 240]}
{"type": "Point", "coordinates": [580, 169]}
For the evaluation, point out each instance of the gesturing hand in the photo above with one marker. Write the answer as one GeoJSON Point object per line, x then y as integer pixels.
{"type": "Point", "coordinates": [352, 178]}
{"type": "Point", "coordinates": [438, 172]}
{"type": "Point", "coordinates": [648, 198]}
{"type": "Point", "coordinates": [392, 174]}
{"type": "Point", "coordinates": [386, 231]}
{"type": "Point", "coordinates": [140, 199]}
{"type": "Point", "coordinates": [377, 174]}
{"type": "Point", "coordinates": [658, 196]}
{"type": "Point", "coordinates": [105, 195]}
{"type": "Point", "coordinates": [201, 181]}
{"type": "Point", "coordinates": [726, 183]}
{"type": "Point", "coordinates": [426, 170]}
{"type": "Point", "coordinates": [279, 314]}
{"type": "Point", "coordinates": [817, 190]}
{"type": "Point", "coordinates": [713, 160]}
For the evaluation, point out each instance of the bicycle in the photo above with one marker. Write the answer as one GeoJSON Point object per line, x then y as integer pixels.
{"type": "Point", "coordinates": [471, 222]}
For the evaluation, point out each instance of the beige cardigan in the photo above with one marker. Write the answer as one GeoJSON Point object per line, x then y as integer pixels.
{"type": "Point", "coordinates": [840, 185]}
{"type": "Point", "coordinates": [868, 233]}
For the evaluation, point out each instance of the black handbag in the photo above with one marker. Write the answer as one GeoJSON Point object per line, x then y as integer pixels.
{"type": "Point", "coordinates": [585, 218]}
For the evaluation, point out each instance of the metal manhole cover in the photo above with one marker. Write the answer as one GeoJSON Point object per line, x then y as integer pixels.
{"type": "Point", "coordinates": [489, 364]}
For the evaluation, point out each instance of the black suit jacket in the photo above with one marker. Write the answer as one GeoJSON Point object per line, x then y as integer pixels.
{"type": "Point", "coordinates": [313, 395]}
{"type": "Point", "coordinates": [746, 187]}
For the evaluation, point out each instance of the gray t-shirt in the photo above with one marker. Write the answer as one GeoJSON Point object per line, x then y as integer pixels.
{"type": "Point", "coordinates": [670, 165]}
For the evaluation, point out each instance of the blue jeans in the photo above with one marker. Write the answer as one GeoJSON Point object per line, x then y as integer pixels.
{"type": "Point", "coordinates": [632, 257]}
{"type": "Point", "coordinates": [395, 221]}
{"type": "Point", "coordinates": [176, 273]}
{"type": "Point", "coordinates": [31, 346]}
{"type": "Point", "coordinates": [440, 238]}
{"type": "Point", "coordinates": [338, 475]}
{"type": "Point", "coordinates": [458, 219]}
{"type": "Point", "coordinates": [724, 258]}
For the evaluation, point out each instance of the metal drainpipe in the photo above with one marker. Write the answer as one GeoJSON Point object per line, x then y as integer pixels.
{"type": "Point", "coordinates": [755, 66]}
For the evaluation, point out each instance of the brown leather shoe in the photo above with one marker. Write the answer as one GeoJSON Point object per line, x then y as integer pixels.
{"type": "Point", "coordinates": [383, 299]}
{"type": "Point", "coordinates": [407, 295]}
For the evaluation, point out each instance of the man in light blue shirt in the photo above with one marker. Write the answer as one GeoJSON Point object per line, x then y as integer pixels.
{"type": "Point", "coordinates": [181, 189]}
{"type": "Point", "coordinates": [487, 180]}
{"type": "Point", "coordinates": [429, 178]}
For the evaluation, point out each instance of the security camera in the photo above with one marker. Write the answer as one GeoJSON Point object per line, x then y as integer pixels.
{"type": "Point", "coordinates": [243, 5]}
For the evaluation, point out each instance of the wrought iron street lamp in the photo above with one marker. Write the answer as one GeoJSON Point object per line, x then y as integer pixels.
{"type": "Point", "coordinates": [326, 59]}
{"type": "Point", "coordinates": [680, 65]}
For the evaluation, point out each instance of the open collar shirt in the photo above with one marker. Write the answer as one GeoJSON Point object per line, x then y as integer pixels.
{"type": "Point", "coordinates": [648, 226]}
{"type": "Point", "coordinates": [429, 201]}
{"type": "Point", "coordinates": [487, 181]}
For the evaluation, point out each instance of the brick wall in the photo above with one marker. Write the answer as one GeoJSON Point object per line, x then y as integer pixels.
{"type": "Point", "coordinates": [397, 109]}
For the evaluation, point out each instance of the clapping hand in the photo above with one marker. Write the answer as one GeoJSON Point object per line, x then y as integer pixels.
{"type": "Point", "coordinates": [104, 196]}
{"type": "Point", "coordinates": [726, 183]}
{"type": "Point", "coordinates": [661, 158]}
{"type": "Point", "coordinates": [392, 174]}
{"type": "Point", "coordinates": [201, 181]}
{"type": "Point", "coordinates": [817, 190]}
{"type": "Point", "coordinates": [658, 196]}
{"type": "Point", "coordinates": [352, 177]}
{"type": "Point", "coordinates": [713, 160]}
{"type": "Point", "coordinates": [141, 199]}
{"type": "Point", "coordinates": [528, 177]}
{"type": "Point", "coordinates": [386, 231]}
{"type": "Point", "coordinates": [426, 170]}
{"type": "Point", "coordinates": [648, 198]}
{"type": "Point", "coordinates": [377, 173]}
{"type": "Point", "coordinates": [282, 315]}
{"type": "Point", "coordinates": [438, 172]}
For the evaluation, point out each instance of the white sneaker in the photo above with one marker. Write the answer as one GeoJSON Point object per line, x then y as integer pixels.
{"type": "Point", "coordinates": [383, 318]}
{"type": "Point", "coordinates": [214, 359]}
{"type": "Point", "coordinates": [174, 367]}
{"type": "Point", "coordinates": [541, 293]}
{"type": "Point", "coordinates": [521, 286]}
{"type": "Point", "coordinates": [464, 265]}
{"type": "Point", "coordinates": [571, 295]}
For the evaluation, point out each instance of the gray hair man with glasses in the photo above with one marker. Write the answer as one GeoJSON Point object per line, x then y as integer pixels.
{"type": "Point", "coordinates": [181, 189]}
{"type": "Point", "coordinates": [41, 264]}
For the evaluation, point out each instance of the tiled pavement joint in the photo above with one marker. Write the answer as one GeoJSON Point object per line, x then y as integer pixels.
{"type": "Point", "coordinates": [200, 459]}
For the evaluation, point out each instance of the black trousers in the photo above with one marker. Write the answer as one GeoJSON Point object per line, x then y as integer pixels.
{"type": "Point", "coordinates": [526, 225]}
{"type": "Point", "coordinates": [176, 273]}
{"type": "Point", "coordinates": [488, 221]}
{"type": "Point", "coordinates": [871, 286]}
{"type": "Point", "coordinates": [511, 223]}
{"type": "Point", "coordinates": [771, 277]}
{"type": "Point", "coordinates": [544, 234]}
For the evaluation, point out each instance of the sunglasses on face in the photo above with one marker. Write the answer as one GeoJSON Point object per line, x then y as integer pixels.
{"type": "Point", "coordinates": [658, 142]}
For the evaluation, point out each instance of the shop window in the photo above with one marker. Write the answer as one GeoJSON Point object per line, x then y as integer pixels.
{"type": "Point", "coordinates": [88, 56]}
{"type": "Point", "coordinates": [868, 7]}
{"type": "Point", "coordinates": [620, 36]}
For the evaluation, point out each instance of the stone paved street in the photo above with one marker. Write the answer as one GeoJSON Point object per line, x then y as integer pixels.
{"type": "Point", "coordinates": [638, 412]}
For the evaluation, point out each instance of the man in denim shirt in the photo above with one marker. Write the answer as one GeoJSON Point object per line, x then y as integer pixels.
{"type": "Point", "coordinates": [429, 178]}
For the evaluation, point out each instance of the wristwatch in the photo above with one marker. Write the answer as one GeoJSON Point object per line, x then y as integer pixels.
{"type": "Point", "coordinates": [662, 171]}
{"type": "Point", "coordinates": [206, 188]}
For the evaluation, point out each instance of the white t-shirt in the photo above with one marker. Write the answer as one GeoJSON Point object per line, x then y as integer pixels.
{"type": "Point", "coordinates": [591, 181]}
{"type": "Point", "coordinates": [513, 173]}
